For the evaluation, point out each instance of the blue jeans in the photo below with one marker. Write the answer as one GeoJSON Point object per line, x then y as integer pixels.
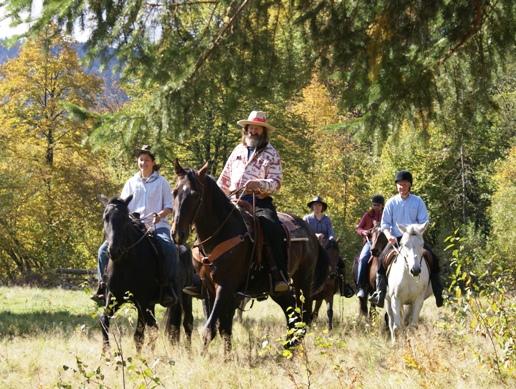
{"type": "Point", "coordinates": [168, 248]}
{"type": "Point", "coordinates": [365, 254]}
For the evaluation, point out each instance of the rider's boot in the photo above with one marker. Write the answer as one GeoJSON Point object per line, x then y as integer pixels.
{"type": "Point", "coordinates": [167, 294]}
{"type": "Point", "coordinates": [437, 287]}
{"type": "Point", "coordinates": [362, 268]}
{"type": "Point", "coordinates": [279, 281]}
{"type": "Point", "coordinates": [195, 289]}
{"type": "Point", "coordinates": [361, 292]}
{"type": "Point", "coordinates": [378, 297]}
{"type": "Point", "coordinates": [100, 295]}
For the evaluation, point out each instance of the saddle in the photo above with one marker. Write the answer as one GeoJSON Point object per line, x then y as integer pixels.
{"type": "Point", "coordinates": [255, 230]}
{"type": "Point", "coordinates": [390, 255]}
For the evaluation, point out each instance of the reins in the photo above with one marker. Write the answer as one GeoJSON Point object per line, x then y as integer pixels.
{"type": "Point", "coordinates": [219, 228]}
{"type": "Point", "coordinates": [147, 233]}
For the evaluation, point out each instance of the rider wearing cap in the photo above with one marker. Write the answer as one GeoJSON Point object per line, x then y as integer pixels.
{"type": "Point", "coordinates": [369, 220]}
{"type": "Point", "coordinates": [404, 208]}
{"type": "Point", "coordinates": [152, 202]}
{"type": "Point", "coordinates": [319, 223]}
{"type": "Point", "coordinates": [254, 166]}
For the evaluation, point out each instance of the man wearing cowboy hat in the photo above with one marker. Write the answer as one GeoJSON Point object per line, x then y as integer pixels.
{"type": "Point", "coordinates": [319, 223]}
{"type": "Point", "coordinates": [254, 166]}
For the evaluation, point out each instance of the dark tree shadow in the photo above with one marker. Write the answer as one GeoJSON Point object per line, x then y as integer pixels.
{"type": "Point", "coordinates": [35, 323]}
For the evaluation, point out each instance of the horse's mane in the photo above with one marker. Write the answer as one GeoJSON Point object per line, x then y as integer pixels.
{"type": "Point", "coordinates": [224, 204]}
{"type": "Point", "coordinates": [332, 244]}
{"type": "Point", "coordinates": [116, 201]}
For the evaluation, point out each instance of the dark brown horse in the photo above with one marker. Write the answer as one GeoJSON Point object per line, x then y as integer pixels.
{"type": "Point", "coordinates": [223, 235]}
{"type": "Point", "coordinates": [331, 286]}
{"type": "Point", "coordinates": [132, 274]}
{"type": "Point", "coordinates": [378, 241]}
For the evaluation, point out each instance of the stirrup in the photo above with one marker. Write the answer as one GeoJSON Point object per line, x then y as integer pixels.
{"type": "Point", "coordinates": [167, 296]}
{"type": "Point", "coordinates": [375, 299]}
{"type": "Point", "coordinates": [194, 291]}
{"type": "Point", "coordinates": [281, 287]}
{"type": "Point", "coordinates": [361, 293]}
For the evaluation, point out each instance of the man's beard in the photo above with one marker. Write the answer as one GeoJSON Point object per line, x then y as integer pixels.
{"type": "Point", "coordinates": [255, 140]}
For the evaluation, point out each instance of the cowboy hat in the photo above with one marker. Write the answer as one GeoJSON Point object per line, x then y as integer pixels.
{"type": "Point", "coordinates": [258, 118]}
{"type": "Point", "coordinates": [318, 199]}
{"type": "Point", "coordinates": [145, 149]}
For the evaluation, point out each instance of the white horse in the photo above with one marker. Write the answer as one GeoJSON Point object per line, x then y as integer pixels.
{"type": "Point", "coordinates": [408, 280]}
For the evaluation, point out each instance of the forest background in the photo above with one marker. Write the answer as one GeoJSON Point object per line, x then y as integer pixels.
{"type": "Point", "coordinates": [356, 89]}
{"type": "Point", "coordinates": [356, 92]}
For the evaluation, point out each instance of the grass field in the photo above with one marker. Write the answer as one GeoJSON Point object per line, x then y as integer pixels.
{"type": "Point", "coordinates": [51, 338]}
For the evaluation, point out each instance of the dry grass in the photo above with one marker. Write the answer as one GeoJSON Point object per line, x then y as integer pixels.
{"type": "Point", "coordinates": [46, 335]}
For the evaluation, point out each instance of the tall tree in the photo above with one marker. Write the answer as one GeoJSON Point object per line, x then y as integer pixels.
{"type": "Point", "coordinates": [50, 179]}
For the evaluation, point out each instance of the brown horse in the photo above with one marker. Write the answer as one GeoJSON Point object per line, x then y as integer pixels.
{"type": "Point", "coordinates": [378, 241]}
{"type": "Point", "coordinates": [227, 268]}
{"type": "Point", "coordinates": [331, 286]}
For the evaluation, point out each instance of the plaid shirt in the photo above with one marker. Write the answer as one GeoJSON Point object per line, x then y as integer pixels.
{"type": "Point", "coordinates": [264, 165]}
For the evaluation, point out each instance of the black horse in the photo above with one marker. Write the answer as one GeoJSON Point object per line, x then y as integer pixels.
{"type": "Point", "coordinates": [132, 274]}
{"type": "Point", "coordinates": [221, 229]}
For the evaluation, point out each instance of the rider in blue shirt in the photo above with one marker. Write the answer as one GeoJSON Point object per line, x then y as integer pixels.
{"type": "Point", "coordinates": [404, 208]}
{"type": "Point", "coordinates": [319, 223]}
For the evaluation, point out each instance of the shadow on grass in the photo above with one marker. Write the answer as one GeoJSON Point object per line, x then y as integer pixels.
{"type": "Point", "coordinates": [35, 323]}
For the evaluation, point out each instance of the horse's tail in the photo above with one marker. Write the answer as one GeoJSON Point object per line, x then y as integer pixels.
{"type": "Point", "coordinates": [322, 270]}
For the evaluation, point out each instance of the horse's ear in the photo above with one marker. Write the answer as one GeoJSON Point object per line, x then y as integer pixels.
{"type": "Point", "coordinates": [103, 199]}
{"type": "Point", "coordinates": [402, 227]}
{"type": "Point", "coordinates": [179, 169]}
{"type": "Point", "coordinates": [128, 199]}
{"type": "Point", "coordinates": [421, 228]}
{"type": "Point", "coordinates": [204, 169]}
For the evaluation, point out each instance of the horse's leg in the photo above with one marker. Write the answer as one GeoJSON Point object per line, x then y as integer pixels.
{"type": "Point", "coordinates": [287, 302]}
{"type": "Point", "coordinates": [173, 322]}
{"type": "Point", "coordinates": [315, 313]}
{"type": "Point", "coordinates": [305, 303]}
{"type": "Point", "coordinates": [139, 332]}
{"type": "Point", "coordinates": [329, 311]}
{"type": "Point", "coordinates": [150, 321]}
{"type": "Point", "coordinates": [210, 328]}
{"type": "Point", "coordinates": [226, 322]}
{"type": "Point", "coordinates": [307, 311]}
{"type": "Point", "coordinates": [395, 307]}
{"type": "Point", "coordinates": [415, 311]}
{"type": "Point", "coordinates": [109, 310]}
{"type": "Point", "coordinates": [187, 318]}
{"type": "Point", "coordinates": [362, 302]}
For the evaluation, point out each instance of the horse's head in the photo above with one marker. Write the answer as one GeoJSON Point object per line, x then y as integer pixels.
{"type": "Point", "coordinates": [188, 197]}
{"type": "Point", "coordinates": [332, 248]}
{"type": "Point", "coordinates": [412, 246]}
{"type": "Point", "coordinates": [116, 219]}
{"type": "Point", "coordinates": [378, 241]}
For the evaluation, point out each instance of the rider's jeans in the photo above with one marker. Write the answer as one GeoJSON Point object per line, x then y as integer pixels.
{"type": "Point", "coordinates": [365, 254]}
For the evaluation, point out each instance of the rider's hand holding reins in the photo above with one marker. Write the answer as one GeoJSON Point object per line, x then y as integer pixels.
{"type": "Point", "coordinates": [252, 186]}
{"type": "Point", "coordinates": [392, 239]}
{"type": "Point", "coordinates": [157, 216]}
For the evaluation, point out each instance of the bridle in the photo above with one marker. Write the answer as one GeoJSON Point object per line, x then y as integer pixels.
{"type": "Point", "coordinates": [196, 212]}
{"type": "Point", "coordinates": [132, 221]}
{"type": "Point", "coordinates": [399, 253]}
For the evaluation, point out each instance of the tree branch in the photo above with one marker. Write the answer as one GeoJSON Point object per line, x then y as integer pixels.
{"type": "Point", "coordinates": [206, 54]}
{"type": "Point", "coordinates": [477, 25]}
